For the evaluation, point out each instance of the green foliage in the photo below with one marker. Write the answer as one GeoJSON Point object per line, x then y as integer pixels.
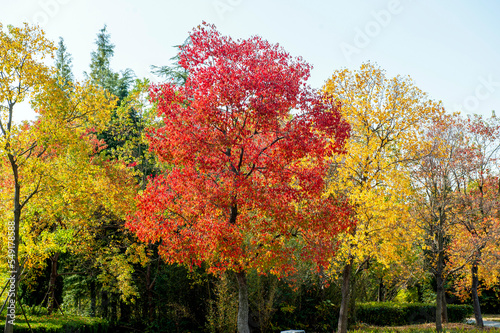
{"type": "Point", "coordinates": [407, 295]}
{"type": "Point", "coordinates": [63, 65]}
{"type": "Point", "coordinates": [394, 314]}
{"type": "Point", "coordinates": [307, 305]}
{"type": "Point", "coordinates": [61, 324]}
{"type": "Point", "coordinates": [458, 313]}
{"type": "Point", "coordinates": [263, 291]}
{"type": "Point", "coordinates": [222, 310]}
{"type": "Point", "coordinates": [100, 68]}
{"type": "Point", "coordinates": [175, 71]}
{"type": "Point", "coordinates": [489, 300]}
{"type": "Point", "coordinates": [35, 310]}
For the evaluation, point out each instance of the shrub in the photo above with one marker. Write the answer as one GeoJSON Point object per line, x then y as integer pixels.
{"type": "Point", "coordinates": [396, 314]}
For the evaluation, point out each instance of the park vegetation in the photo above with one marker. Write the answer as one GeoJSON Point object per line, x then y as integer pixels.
{"type": "Point", "coordinates": [230, 196]}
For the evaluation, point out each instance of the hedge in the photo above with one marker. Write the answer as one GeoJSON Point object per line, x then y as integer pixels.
{"type": "Point", "coordinates": [397, 314]}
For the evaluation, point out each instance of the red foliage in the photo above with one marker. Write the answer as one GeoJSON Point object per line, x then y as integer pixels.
{"type": "Point", "coordinates": [248, 142]}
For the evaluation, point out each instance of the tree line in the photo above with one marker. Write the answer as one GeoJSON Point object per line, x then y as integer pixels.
{"type": "Point", "coordinates": [232, 192]}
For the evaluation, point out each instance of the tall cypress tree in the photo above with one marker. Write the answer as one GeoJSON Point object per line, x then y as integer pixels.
{"type": "Point", "coordinates": [100, 64]}
{"type": "Point", "coordinates": [64, 65]}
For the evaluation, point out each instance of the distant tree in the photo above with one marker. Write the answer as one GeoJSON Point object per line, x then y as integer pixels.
{"type": "Point", "coordinates": [100, 63]}
{"type": "Point", "coordinates": [63, 65]}
{"type": "Point", "coordinates": [435, 182]}
{"type": "Point", "coordinates": [100, 67]}
{"type": "Point", "coordinates": [175, 72]}
{"type": "Point", "coordinates": [477, 203]}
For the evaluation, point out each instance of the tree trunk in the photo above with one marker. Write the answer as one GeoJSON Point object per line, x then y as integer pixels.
{"type": "Point", "coordinates": [93, 298]}
{"type": "Point", "coordinates": [114, 307]}
{"type": "Point", "coordinates": [475, 297]}
{"type": "Point", "coordinates": [104, 304]}
{"type": "Point", "coordinates": [439, 273]}
{"type": "Point", "coordinates": [150, 282]}
{"type": "Point", "coordinates": [13, 248]}
{"type": "Point", "coordinates": [419, 293]}
{"type": "Point", "coordinates": [444, 309]}
{"type": "Point", "coordinates": [344, 305]}
{"type": "Point", "coordinates": [439, 303]}
{"type": "Point", "coordinates": [52, 283]}
{"type": "Point", "coordinates": [125, 311]}
{"type": "Point", "coordinates": [381, 297]}
{"type": "Point", "coordinates": [243, 310]}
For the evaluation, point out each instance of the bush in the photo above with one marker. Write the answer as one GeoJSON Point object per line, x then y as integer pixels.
{"type": "Point", "coordinates": [459, 313]}
{"type": "Point", "coordinates": [396, 314]}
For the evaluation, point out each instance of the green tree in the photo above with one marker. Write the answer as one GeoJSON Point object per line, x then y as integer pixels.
{"type": "Point", "coordinates": [100, 68]}
{"type": "Point", "coordinates": [175, 71]}
{"type": "Point", "coordinates": [64, 65]}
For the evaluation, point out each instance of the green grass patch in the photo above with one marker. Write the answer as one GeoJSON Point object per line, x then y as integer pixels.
{"type": "Point", "coordinates": [57, 323]}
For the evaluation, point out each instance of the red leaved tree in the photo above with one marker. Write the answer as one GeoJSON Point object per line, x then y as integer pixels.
{"type": "Point", "coordinates": [477, 204]}
{"type": "Point", "coordinates": [248, 144]}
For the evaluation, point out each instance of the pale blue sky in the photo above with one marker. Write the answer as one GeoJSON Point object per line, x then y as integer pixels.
{"type": "Point", "coordinates": [450, 48]}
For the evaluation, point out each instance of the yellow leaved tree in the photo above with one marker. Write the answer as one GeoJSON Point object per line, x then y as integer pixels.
{"type": "Point", "coordinates": [65, 116]}
{"type": "Point", "coordinates": [385, 116]}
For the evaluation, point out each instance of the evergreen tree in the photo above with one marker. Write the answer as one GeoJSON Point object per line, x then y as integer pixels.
{"type": "Point", "coordinates": [100, 68]}
{"type": "Point", "coordinates": [64, 65]}
{"type": "Point", "coordinates": [174, 72]}
{"type": "Point", "coordinates": [101, 73]}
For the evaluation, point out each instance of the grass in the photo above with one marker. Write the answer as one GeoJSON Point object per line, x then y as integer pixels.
{"type": "Point", "coordinates": [56, 321]}
{"type": "Point", "coordinates": [428, 327]}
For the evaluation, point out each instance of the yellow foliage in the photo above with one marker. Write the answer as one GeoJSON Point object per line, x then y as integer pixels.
{"type": "Point", "coordinates": [54, 163]}
{"type": "Point", "coordinates": [386, 118]}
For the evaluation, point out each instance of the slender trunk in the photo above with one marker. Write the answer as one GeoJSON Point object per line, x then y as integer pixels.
{"type": "Point", "coordinates": [439, 303]}
{"type": "Point", "coordinates": [151, 284]}
{"type": "Point", "coordinates": [13, 248]}
{"type": "Point", "coordinates": [148, 306]}
{"type": "Point", "coordinates": [52, 283]}
{"type": "Point", "coordinates": [93, 298]}
{"type": "Point", "coordinates": [145, 300]}
{"type": "Point", "coordinates": [344, 305]}
{"type": "Point", "coordinates": [104, 304]}
{"type": "Point", "coordinates": [114, 307]}
{"type": "Point", "coordinates": [475, 297]}
{"type": "Point", "coordinates": [380, 297]}
{"type": "Point", "coordinates": [439, 282]}
{"type": "Point", "coordinates": [125, 311]}
{"type": "Point", "coordinates": [243, 310]}
{"type": "Point", "coordinates": [419, 293]}
{"type": "Point", "coordinates": [444, 309]}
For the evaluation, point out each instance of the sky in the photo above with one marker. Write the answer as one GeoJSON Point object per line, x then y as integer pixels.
{"type": "Point", "coordinates": [450, 48]}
